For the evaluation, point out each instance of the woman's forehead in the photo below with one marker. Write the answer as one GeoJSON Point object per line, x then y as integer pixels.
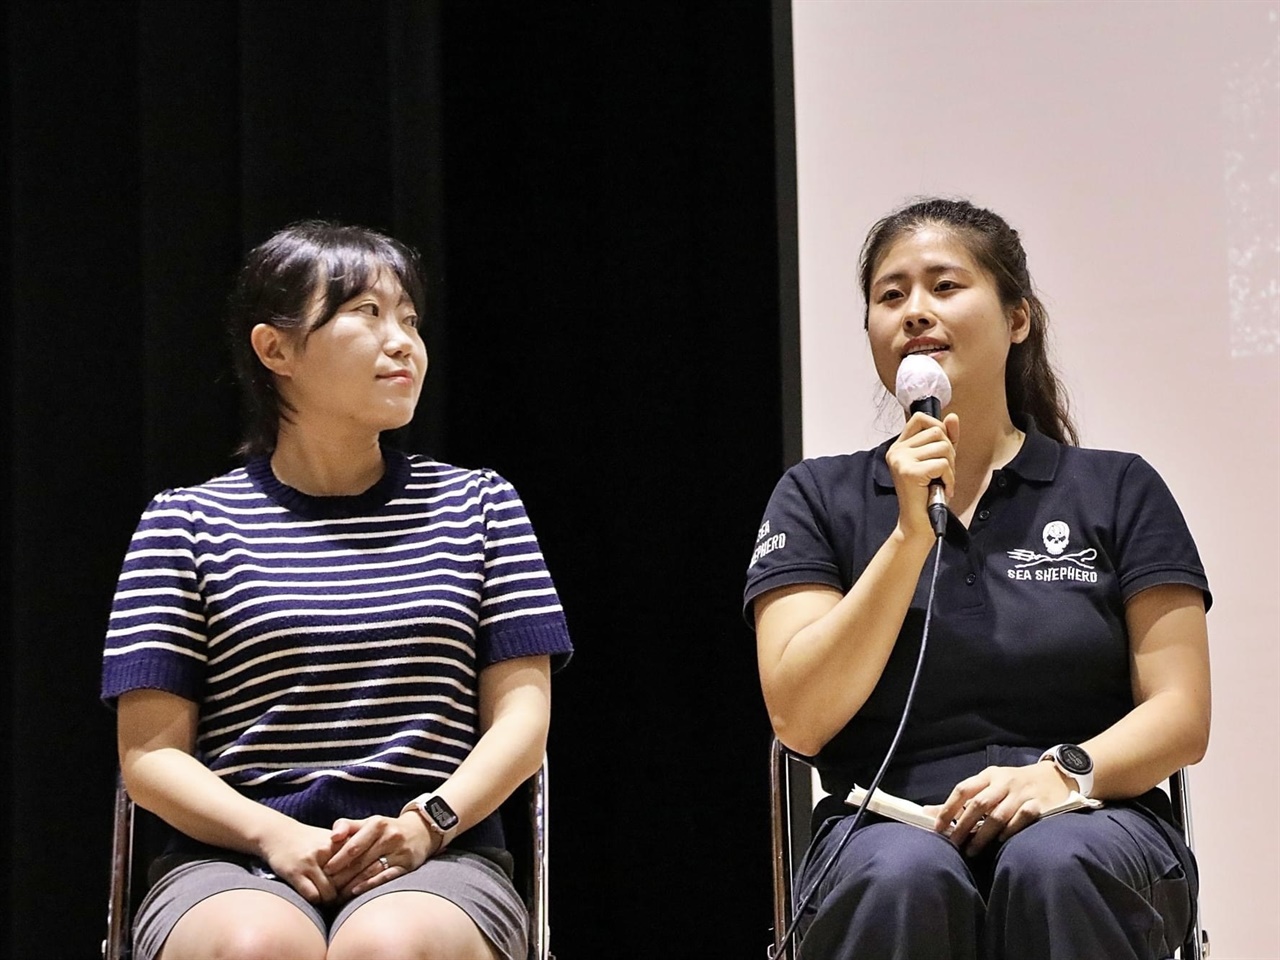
{"type": "Point", "coordinates": [929, 242]}
{"type": "Point", "coordinates": [385, 283]}
{"type": "Point", "coordinates": [369, 276]}
{"type": "Point", "coordinates": [928, 247]}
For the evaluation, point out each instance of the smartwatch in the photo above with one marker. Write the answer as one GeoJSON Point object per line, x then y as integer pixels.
{"type": "Point", "coordinates": [1075, 762]}
{"type": "Point", "coordinates": [440, 818]}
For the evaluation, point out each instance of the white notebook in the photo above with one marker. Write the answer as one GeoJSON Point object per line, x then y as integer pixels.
{"type": "Point", "coordinates": [905, 811]}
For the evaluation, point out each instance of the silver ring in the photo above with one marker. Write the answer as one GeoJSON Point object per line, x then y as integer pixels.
{"type": "Point", "coordinates": [385, 864]}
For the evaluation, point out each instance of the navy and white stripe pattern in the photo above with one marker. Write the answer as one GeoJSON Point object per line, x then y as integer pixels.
{"type": "Point", "coordinates": [333, 644]}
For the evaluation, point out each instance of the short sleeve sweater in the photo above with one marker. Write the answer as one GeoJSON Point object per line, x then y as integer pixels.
{"type": "Point", "coordinates": [1028, 645]}
{"type": "Point", "coordinates": [333, 644]}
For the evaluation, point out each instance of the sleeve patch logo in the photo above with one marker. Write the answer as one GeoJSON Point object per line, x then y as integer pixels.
{"type": "Point", "coordinates": [1057, 564]}
{"type": "Point", "coordinates": [766, 543]}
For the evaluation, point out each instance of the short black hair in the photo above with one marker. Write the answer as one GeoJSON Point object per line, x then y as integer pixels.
{"type": "Point", "coordinates": [278, 285]}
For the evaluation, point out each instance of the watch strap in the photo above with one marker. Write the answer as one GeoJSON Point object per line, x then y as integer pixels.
{"type": "Point", "coordinates": [1084, 781]}
{"type": "Point", "coordinates": [420, 804]}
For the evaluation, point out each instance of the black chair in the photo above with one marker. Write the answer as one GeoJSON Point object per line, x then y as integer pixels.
{"type": "Point", "coordinates": [136, 830]}
{"type": "Point", "coordinates": [792, 793]}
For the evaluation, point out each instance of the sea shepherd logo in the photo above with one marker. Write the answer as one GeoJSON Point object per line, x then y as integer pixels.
{"type": "Point", "coordinates": [1057, 564]}
{"type": "Point", "coordinates": [766, 543]}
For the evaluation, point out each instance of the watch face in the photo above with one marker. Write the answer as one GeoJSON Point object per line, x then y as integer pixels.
{"type": "Point", "coordinates": [1074, 759]}
{"type": "Point", "coordinates": [441, 813]}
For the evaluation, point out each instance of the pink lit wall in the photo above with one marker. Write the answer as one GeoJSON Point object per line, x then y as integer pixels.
{"type": "Point", "coordinates": [1136, 146]}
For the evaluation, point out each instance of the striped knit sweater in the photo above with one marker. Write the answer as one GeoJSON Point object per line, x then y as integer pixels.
{"type": "Point", "coordinates": [333, 644]}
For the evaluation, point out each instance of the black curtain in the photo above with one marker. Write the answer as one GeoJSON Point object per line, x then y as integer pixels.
{"type": "Point", "coordinates": [594, 189]}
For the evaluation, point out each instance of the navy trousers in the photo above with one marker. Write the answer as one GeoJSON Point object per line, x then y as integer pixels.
{"type": "Point", "coordinates": [1098, 885]}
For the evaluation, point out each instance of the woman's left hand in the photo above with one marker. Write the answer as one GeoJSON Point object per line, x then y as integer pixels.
{"type": "Point", "coordinates": [998, 802]}
{"type": "Point", "coordinates": [377, 849]}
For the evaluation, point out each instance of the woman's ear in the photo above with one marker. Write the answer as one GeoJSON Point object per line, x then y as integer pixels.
{"type": "Point", "coordinates": [1020, 322]}
{"type": "Point", "coordinates": [273, 347]}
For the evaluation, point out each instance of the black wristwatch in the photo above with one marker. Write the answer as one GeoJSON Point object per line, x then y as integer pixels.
{"type": "Point", "coordinates": [440, 818]}
{"type": "Point", "coordinates": [1075, 762]}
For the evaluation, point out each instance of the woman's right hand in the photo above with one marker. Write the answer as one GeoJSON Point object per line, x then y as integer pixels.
{"type": "Point", "coordinates": [297, 854]}
{"type": "Point", "coordinates": [377, 849]}
{"type": "Point", "coordinates": [157, 733]}
{"type": "Point", "coordinates": [924, 451]}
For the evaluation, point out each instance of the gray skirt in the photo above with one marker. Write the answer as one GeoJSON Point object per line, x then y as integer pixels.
{"type": "Point", "coordinates": [473, 882]}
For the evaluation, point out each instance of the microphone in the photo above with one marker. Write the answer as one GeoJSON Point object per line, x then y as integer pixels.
{"type": "Point", "coordinates": [923, 387]}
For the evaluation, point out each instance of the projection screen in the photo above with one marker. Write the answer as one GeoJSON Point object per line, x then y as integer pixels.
{"type": "Point", "coordinates": [1136, 146]}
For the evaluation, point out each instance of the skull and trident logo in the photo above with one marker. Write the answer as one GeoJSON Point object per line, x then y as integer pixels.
{"type": "Point", "coordinates": [1056, 535]}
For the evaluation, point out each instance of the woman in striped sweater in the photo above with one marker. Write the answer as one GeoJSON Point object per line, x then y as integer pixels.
{"type": "Point", "coordinates": [332, 664]}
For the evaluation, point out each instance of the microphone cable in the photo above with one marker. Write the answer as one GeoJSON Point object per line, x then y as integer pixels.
{"type": "Point", "coordinates": [777, 948]}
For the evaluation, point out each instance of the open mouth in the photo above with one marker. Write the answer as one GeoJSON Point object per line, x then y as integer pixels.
{"type": "Point", "coordinates": [926, 348]}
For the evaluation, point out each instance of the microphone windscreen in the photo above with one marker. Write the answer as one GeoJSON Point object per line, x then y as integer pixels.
{"type": "Point", "coordinates": [920, 376]}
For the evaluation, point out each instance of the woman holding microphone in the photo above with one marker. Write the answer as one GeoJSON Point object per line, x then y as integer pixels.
{"type": "Point", "coordinates": [1067, 647]}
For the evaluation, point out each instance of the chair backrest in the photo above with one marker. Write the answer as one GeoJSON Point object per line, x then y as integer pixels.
{"type": "Point", "coordinates": [116, 946]}
{"type": "Point", "coordinates": [526, 821]}
{"type": "Point", "coordinates": [792, 797]}
{"type": "Point", "coordinates": [135, 832]}
{"type": "Point", "coordinates": [1197, 945]}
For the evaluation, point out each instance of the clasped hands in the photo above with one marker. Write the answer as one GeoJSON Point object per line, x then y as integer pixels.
{"type": "Point", "coordinates": [332, 866]}
{"type": "Point", "coordinates": [997, 803]}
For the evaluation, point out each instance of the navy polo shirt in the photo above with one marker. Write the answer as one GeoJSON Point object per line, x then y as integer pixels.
{"type": "Point", "coordinates": [1028, 645]}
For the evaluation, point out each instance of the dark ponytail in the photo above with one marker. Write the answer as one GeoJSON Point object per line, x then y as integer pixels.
{"type": "Point", "coordinates": [1031, 385]}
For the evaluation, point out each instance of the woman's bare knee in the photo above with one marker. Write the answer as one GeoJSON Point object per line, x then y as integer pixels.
{"type": "Point", "coordinates": [409, 925]}
{"type": "Point", "coordinates": [244, 925]}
